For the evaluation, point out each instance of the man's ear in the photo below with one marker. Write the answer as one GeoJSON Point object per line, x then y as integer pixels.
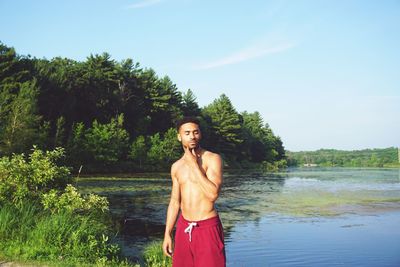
{"type": "Point", "coordinates": [179, 138]}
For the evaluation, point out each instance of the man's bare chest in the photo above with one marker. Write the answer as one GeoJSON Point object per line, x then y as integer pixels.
{"type": "Point", "coordinates": [186, 173]}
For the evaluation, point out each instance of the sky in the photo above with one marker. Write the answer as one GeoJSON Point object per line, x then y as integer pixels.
{"type": "Point", "coordinates": [323, 74]}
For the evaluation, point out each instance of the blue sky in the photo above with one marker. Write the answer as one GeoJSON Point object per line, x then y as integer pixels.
{"type": "Point", "coordinates": [323, 74]}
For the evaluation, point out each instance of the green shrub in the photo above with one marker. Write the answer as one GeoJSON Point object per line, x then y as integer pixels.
{"type": "Point", "coordinates": [45, 219]}
{"type": "Point", "coordinates": [72, 201]}
{"type": "Point", "coordinates": [23, 179]}
{"type": "Point", "coordinates": [275, 166]}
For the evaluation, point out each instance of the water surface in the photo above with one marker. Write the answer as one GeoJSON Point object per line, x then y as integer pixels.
{"type": "Point", "coordinates": [300, 217]}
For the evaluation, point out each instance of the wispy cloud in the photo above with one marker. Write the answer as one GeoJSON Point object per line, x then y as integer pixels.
{"type": "Point", "coordinates": [251, 52]}
{"type": "Point", "coordinates": [144, 3]}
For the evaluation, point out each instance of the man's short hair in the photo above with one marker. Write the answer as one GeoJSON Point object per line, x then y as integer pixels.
{"type": "Point", "coordinates": [184, 120]}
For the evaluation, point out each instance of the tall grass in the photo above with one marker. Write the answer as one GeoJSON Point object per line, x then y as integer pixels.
{"type": "Point", "coordinates": [64, 239]}
{"type": "Point", "coordinates": [154, 257]}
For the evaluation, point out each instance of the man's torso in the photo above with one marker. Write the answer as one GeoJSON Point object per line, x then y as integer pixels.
{"type": "Point", "coordinates": [194, 204]}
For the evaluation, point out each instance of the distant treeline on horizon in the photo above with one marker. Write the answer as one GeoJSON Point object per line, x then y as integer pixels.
{"type": "Point", "coordinates": [117, 115]}
{"type": "Point", "coordinates": [378, 157]}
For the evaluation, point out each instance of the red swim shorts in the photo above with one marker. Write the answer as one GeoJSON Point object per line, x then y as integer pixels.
{"type": "Point", "coordinates": [199, 244]}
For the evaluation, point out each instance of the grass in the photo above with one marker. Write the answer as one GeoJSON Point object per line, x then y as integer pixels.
{"type": "Point", "coordinates": [29, 234]}
{"type": "Point", "coordinates": [154, 257]}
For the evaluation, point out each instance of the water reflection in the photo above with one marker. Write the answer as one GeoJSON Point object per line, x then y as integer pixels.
{"type": "Point", "coordinates": [247, 197]}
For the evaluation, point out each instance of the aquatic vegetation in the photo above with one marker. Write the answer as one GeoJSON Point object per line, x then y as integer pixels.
{"type": "Point", "coordinates": [311, 203]}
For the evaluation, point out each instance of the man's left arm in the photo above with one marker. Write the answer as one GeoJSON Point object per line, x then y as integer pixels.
{"type": "Point", "coordinates": [210, 182]}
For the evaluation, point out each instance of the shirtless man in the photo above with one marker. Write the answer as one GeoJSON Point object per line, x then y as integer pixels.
{"type": "Point", "coordinates": [196, 183]}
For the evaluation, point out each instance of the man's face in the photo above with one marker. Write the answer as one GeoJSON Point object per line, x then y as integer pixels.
{"type": "Point", "coordinates": [189, 135]}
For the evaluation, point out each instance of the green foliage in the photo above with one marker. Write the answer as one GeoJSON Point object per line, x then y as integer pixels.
{"type": "Point", "coordinates": [72, 201]}
{"type": "Point", "coordinates": [60, 132]}
{"type": "Point", "coordinates": [275, 166]}
{"type": "Point", "coordinates": [163, 101]}
{"type": "Point", "coordinates": [107, 142]}
{"type": "Point", "coordinates": [43, 218]}
{"type": "Point", "coordinates": [226, 124]}
{"type": "Point", "coordinates": [138, 150]}
{"type": "Point", "coordinates": [76, 146]}
{"type": "Point", "coordinates": [29, 233]}
{"type": "Point", "coordinates": [260, 140]}
{"type": "Point", "coordinates": [19, 120]}
{"type": "Point", "coordinates": [189, 104]}
{"type": "Point", "coordinates": [164, 151]}
{"type": "Point", "coordinates": [241, 137]}
{"type": "Point", "coordinates": [154, 257]}
{"type": "Point", "coordinates": [20, 129]}
{"type": "Point", "coordinates": [356, 158]}
{"type": "Point", "coordinates": [23, 179]}
{"type": "Point", "coordinates": [79, 106]}
{"type": "Point", "coordinates": [260, 143]}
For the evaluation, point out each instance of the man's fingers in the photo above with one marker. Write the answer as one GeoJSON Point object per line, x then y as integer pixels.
{"type": "Point", "coordinates": [167, 250]}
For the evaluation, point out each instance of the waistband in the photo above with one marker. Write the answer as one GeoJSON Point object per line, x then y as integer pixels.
{"type": "Point", "coordinates": [202, 223]}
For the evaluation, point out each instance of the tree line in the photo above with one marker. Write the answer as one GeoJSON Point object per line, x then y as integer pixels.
{"type": "Point", "coordinates": [112, 115]}
{"type": "Point", "coordinates": [385, 157]}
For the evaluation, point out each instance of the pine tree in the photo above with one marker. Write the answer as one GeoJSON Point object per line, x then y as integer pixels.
{"type": "Point", "coordinates": [189, 105]}
{"type": "Point", "coordinates": [226, 126]}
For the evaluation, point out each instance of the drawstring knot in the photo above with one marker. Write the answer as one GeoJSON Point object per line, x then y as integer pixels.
{"type": "Point", "coordinates": [189, 230]}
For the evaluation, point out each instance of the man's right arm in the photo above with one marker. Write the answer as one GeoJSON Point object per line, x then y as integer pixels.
{"type": "Point", "coordinates": [172, 213]}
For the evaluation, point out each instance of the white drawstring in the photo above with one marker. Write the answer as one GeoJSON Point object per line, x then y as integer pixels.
{"type": "Point", "coordinates": [189, 230]}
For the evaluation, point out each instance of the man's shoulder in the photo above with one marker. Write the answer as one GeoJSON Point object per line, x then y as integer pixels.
{"type": "Point", "coordinates": [176, 165]}
{"type": "Point", "coordinates": [211, 155]}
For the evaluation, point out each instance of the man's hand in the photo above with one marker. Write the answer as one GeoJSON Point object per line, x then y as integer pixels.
{"type": "Point", "coordinates": [190, 156]}
{"type": "Point", "coordinates": [167, 246]}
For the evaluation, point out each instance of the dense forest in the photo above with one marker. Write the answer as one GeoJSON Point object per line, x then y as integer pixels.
{"type": "Point", "coordinates": [117, 116]}
{"type": "Point", "coordinates": [386, 157]}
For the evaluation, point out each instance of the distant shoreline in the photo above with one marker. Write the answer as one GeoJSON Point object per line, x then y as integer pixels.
{"type": "Point", "coordinates": [377, 157]}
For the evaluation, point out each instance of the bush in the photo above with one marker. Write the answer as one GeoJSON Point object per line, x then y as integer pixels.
{"type": "Point", "coordinates": [275, 166]}
{"type": "Point", "coordinates": [45, 219]}
{"type": "Point", "coordinates": [72, 201]}
{"type": "Point", "coordinates": [23, 179]}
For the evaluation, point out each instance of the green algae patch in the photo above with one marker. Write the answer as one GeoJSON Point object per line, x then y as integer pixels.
{"type": "Point", "coordinates": [322, 203]}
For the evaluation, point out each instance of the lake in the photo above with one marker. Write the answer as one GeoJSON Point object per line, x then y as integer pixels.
{"type": "Point", "coordinates": [300, 217]}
